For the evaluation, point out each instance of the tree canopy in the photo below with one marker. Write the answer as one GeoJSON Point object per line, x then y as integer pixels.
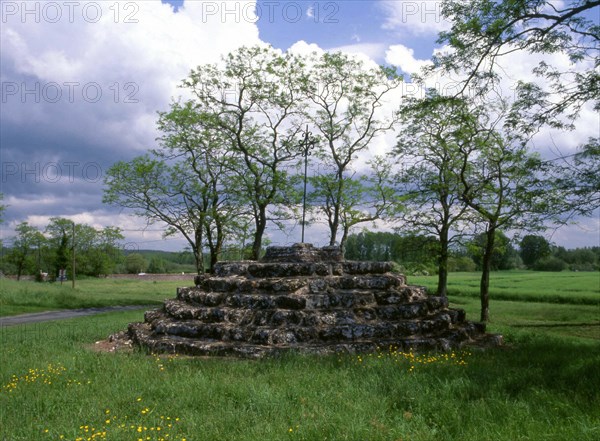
{"type": "Point", "coordinates": [485, 31]}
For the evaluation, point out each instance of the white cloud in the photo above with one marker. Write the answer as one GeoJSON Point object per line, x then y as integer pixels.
{"type": "Point", "coordinates": [134, 55]}
{"type": "Point", "coordinates": [368, 51]}
{"type": "Point", "coordinates": [413, 17]}
{"type": "Point", "coordinates": [403, 57]}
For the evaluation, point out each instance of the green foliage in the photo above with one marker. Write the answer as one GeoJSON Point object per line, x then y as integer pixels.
{"type": "Point", "coordinates": [26, 246]}
{"type": "Point", "coordinates": [156, 266]}
{"type": "Point", "coordinates": [484, 31]}
{"type": "Point", "coordinates": [412, 252]}
{"type": "Point", "coordinates": [533, 248]}
{"type": "Point", "coordinates": [135, 263]}
{"type": "Point", "coordinates": [504, 256]}
{"type": "Point", "coordinates": [251, 102]}
{"type": "Point", "coordinates": [2, 208]}
{"type": "Point", "coordinates": [461, 264]}
{"type": "Point", "coordinates": [549, 263]}
{"type": "Point", "coordinates": [343, 97]}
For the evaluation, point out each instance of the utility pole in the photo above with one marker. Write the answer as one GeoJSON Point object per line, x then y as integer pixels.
{"type": "Point", "coordinates": [73, 264]}
{"type": "Point", "coordinates": [307, 144]}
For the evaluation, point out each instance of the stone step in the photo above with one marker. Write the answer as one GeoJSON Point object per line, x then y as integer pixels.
{"type": "Point", "coordinates": [296, 269]}
{"type": "Point", "coordinates": [302, 299]}
{"type": "Point", "coordinates": [273, 313]}
{"type": "Point", "coordinates": [340, 330]}
{"type": "Point", "coordinates": [289, 283]}
{"type": "Point", "coordinates": [142, 335]}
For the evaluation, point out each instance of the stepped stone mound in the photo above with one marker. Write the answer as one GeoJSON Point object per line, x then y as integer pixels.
{"type": "Point", "coordinates": [304, 299]}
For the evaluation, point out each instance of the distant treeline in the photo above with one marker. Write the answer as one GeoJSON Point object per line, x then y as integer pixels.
{"type": "Point", "coordinates": [417, 254]}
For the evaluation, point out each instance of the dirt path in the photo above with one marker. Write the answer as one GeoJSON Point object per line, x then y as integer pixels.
{"type": "Point", "coordinates": [65, 314]}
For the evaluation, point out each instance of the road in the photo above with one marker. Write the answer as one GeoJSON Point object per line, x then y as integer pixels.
{"type": "Point", "coordinates": [65, 314]}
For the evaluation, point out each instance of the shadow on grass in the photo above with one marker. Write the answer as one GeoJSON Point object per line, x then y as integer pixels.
{"type": "Point", "coordinates": [532, 364]}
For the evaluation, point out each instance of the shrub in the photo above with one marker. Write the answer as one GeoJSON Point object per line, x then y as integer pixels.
{"type": "Point", "coordinates": [584, 267]}
{"type": "Point", "coordinates": [550, 263]}
{"type": "Point", "coordinates": [461, 263]}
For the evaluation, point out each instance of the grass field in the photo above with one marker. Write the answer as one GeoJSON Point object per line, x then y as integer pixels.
{"type": "Point", "coordinates": [544, 384]}
{"type": "Point", "coordinates": [535, 286]}
{"type": "Point", "coordinates": [27, 296]}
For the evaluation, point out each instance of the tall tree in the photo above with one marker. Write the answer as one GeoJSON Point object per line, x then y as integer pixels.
{"type": "Point", "coordinates": [60, 232]}
{"type": "Point", "coordinates": [533, 248]}
{"type": "Point", "coordinates": [153, 189]}
{"type": "Point", "coordinates": [254, 99]}
{"type": "Point", "coordinates": [485, 31]}
{"type": "Point", "coordinates": [578, 180]}
{"type": "Point", "coordinates": [2, 208]}
{"type": "Point", "coordinates": [346, 98]}
{"type": "Point", "coordinates": [500, 182]}
{"type": "Point", "coordinates": [366, 197]}
{"type": "Point", "coordinates": [428, 151]}
{"type": "Point", "coordinates": [205, 166]}
{"type": "Point", "coordinates": [24, 247]}
{"type": "Point", "coordinates": [104, 254]}
{"type": "Point", "coordinates": [503, 257]}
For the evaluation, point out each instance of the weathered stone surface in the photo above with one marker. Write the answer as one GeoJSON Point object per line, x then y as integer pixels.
{"type": "Point", "coordinates": [303, 252]}
{"type": "Point", "coordinates": [304, 299]}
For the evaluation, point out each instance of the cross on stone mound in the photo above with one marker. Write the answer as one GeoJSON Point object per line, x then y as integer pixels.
{"type": "Point", "coordinates": [304, 299]}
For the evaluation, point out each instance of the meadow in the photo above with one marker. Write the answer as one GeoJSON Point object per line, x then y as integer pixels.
{"type": "Point", "coordinates": [27, 296]}
{"type": "Point", "coordinates": [544, 384]}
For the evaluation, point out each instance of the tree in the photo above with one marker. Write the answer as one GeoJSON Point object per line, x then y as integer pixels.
{"type": "Point", "coordinates": [407, 249]}
{"type": "Point", "coordinates": [578, 180]}
{"type": "Point", "coordinates": [105, 253]}
{"type": "Point", "coordinates": [484, 31]}
{"type": "Point", "coordinates": [533, 248]}
{"type": "Point", "coordinates": [365, 198]}
{"type": "Point", "coordinates": [501, 183]}
{"type": "Point", "coordinates": [254, 101]}
{"type": "Point", "coordinates": [135, 263]}
{"type": "Point", "coordinates": [156, 265]}
{"type": "Point", "coordinates": [428, 152]}
{"type": "Point", "coordinates": [25, 244]}
{"type": "Point", "coordinates": [205, 168]}
{"type": "Point", "coordinates": [2, 209]}
{"type": "Point", "coordinates": [159, 193]}
{"type": "Point", "coordinates": [345, 99]}
{"type": "Point", "coordinates": [96, 251]}
{"type": "Point", "coordinates": [60, 232]}
{"type": "Point", "coordinates": [503, 256]}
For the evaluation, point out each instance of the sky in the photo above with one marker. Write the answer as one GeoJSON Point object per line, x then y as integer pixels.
{"type": "Point", "coordinates": [82, 83]}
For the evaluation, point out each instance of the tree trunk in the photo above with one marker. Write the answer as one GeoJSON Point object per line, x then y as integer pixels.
{"type": "Point", "coordinates": [442, 288]}
{"type": "Point", "coordinates": [197, 250]}
{"type": "Point", "coordinates": [333, 227]}
{"type": "Point", "coordinates": [344, 240]}
{"type": "Point", "coordinates": [261, 224]}
{"type": "Point", "coordinates": [484, 287]}
{"type": "Point", "coordinates": [199, 259]}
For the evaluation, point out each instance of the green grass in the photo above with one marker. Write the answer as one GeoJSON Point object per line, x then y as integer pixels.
{"type": "Point", "coordinates": [544, 384]}
{"type": "Point", "coordinates": [27, 296]}
{"type": "Point", "coordinates": [535, 286]}
{"type": "Point", "coordinates": [540, 387]}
